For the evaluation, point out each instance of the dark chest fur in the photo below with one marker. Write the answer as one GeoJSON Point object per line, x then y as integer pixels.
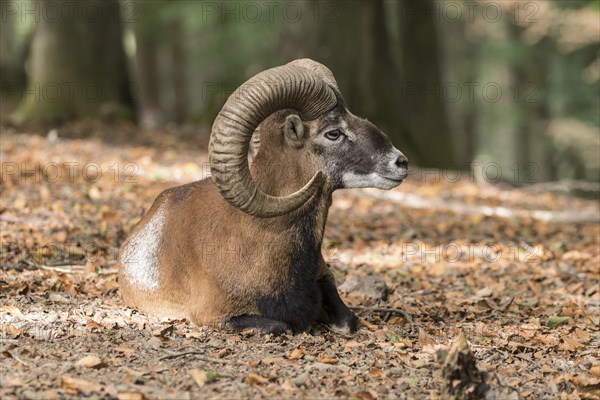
{"type": "Point", "coordinates": [299, 302]}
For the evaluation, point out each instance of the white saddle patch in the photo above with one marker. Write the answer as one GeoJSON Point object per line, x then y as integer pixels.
{"type": "Point", "coordinates": [139, 258]}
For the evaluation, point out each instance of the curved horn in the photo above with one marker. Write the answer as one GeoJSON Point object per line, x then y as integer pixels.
{"type": "Point", "coordinates": [288, 86]}
{"type": "Point", "coordinates": [324, 72]}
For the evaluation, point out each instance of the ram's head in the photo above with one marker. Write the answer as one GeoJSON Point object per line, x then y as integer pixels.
{"type": "Point", "coordinates": [340, 149]}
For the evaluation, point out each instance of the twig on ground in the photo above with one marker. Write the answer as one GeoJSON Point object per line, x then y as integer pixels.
{"type": "Point", "coordinates": [409, 200]}
{"type": "Point", "coordinates": [507, 305]}
{"type": "Point", "coordinates": [591, 188]}
{"type": "Point", "coordinates": [65, 269]}
{"type": "Point", "coordinates": [198, 354]}
{"type": "Point", "coordinates": [108, 271]}
{"type": "Point", "coordinates": [423, 292]}
{"type": "Point", "coordinates": [17, 358]}
{"type": "Point", "coordinates": [384, 310]}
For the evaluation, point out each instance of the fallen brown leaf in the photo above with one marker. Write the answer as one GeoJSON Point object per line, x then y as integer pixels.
{"type": "Point", "coordinates": [50, 395]}
{"type": "Point", "coordinates": [131, 396]}
{"type": "Point", "coordinates": [90, 267]}
{"type": "Point", "coordinates": [77, 385]}
{"type": "Point", "coordinates": [569, 344]}
{"type": "Point", "coordinates": [90, 361]}
{"type": "Point", "coordinates": [201, 378]}
{"type": "Point", "coordinates": [367, 324]}
{"type": "Point", "coordinates": [91, 324]}
{"type": "Point", "coordinates": [581, 335]}
{"type": "Point", "coordinates": [221, 353]}
{"type": "Point", "coordinates": [11, 330]}
{"type": "Point", "coordinates": [375, 373]}
{"type": "Point", "coordinates": [271, 360]}
{"type": "Point", "coordinates": [163, 331]}
{"type": "Point", "coordinates": [94, 193]}
{"type": "Point", "coordinates": [12, 381]}
{"type": "Point", "coordinates": [296, 354]}
{"type": "Point", "coordinates": [350, 345]}
{"type": "Point", "coordinates": [326, 359]}
{"type": "Point", "coordinates": [11, 310]}
{"type": "Point", "coordinates": [254, 379]}
{"type": "Point", "coordinates": [426, 339]}
{"type": "Point", "coordinates": [127, 351]}
{"type": "Point", "coordinates": [364, 395]}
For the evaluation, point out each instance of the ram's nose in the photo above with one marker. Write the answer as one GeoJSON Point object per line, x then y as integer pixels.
{"type": "Point", "coordinates": [402, 162]}
{"type": "Point", "coordinates": [399, 165]}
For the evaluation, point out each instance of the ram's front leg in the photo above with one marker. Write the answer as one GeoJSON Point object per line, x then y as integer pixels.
{"type": "Point", "coordinates": [335, 312]}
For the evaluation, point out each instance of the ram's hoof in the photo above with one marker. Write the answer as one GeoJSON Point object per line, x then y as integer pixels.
{"type": "Point", "coordinates": [276, 328]}
{"type": "Point", "coordinates": [352, 323]}
{"type": "Point", "coordinates": [346, 325]}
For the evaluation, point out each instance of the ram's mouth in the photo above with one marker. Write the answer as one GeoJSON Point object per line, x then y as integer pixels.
{"type": "Point", "coordinates": [397, 180]}
{"type": "Point", "coordinates": [388, 182]}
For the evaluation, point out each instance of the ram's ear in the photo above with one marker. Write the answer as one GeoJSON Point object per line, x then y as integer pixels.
{"type": "Point", "coordinates": [293, 129]}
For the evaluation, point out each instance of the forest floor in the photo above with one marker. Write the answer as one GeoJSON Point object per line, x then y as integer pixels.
{"type": "Point", "coordinates": [514, 271]}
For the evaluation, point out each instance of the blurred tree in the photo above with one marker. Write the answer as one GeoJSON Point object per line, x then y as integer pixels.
{"type": "Point", "coordinates": [538, 54]}
{"type": "Point", "coordinates": [459, 74]}
{"type": "Point", "coordinates": [13, 53]}
{"type": "Point", "coordinates": [147, 78]}
{"type": "Point", "coordinates": [77, 65]}
{"type": "Point", "coordinates": [178, 75]}
{"type": "Point", "coordinates": [424, 107]}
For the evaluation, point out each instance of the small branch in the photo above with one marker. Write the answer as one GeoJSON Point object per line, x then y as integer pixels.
{"type": "Point", "coordinates": [65, 269]}
{"type": "Point", "coordinates": [384, 310]}
{"type": "Point", "coordinates": [198, 354]}
{"type": "Point", "coordinates": [592, 188]}
{"type": "Point", "coordinates": [507, 305]}
{"type": "Point", "coordinates": [108, 272]}
{"type": "Point", "coordinates": [410, 200]}
{"type": "Point", "coordinates": [17, 358]}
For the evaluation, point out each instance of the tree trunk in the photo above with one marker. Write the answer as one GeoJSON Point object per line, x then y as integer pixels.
{"type": "Point", "coordinates": [150, 112]}
{"type": "Point", "coordinates": [534, 76]}
{"type": "Point", "coordinates": [459, 72]}
{"type": "Point", "coordinates": [77, 66]}
{"type": "Point", "coordinates": [178, 71]}
{"type": "Point", "coordinates": [13, 54]}
{"type": "Point", "coordinates": [423, 106]}
{"type": "Point", "coordinates": [385, 104]}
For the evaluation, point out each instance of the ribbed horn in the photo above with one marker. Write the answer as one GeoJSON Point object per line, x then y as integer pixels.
{"type": "Point", "coordinates": [289, 86]}
{"type": "Point", "coordinates": [321, 70]}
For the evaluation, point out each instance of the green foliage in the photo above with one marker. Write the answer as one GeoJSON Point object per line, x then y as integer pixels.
{"type": "Point", "coordinates": [224, 44]}
{"type": "Point", "coordinates": [556, 321]}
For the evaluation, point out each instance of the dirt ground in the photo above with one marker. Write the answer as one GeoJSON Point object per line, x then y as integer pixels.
{"type": "Point", "coordinates": [516, 271]}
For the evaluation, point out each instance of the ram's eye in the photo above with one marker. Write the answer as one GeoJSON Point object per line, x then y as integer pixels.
{"type": "Point", "coordinates": [334, 135]}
